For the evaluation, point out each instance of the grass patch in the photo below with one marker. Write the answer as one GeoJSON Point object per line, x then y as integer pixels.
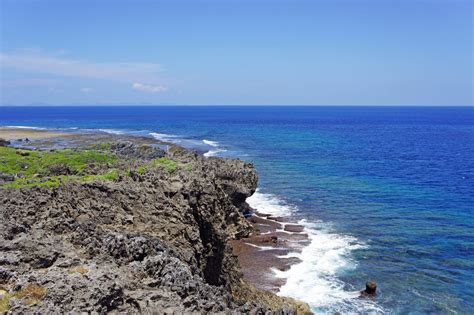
{"type": "Point", "coordinates": [53, 181]}
{"type": "Point", "coordinates": [113, 174]}
{"type": "Point", "coordinates": [53, 168]}
{"type": "Point", "coordinates": [141, 170]}
{"type": "Point", "coordinates": [25, 162]}
{"type": "Point", "coordinates": [168, 164]}
{"type": "Point", "coordinates": [34, 168]}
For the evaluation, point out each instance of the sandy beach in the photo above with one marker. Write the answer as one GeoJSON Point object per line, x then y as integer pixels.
{"type": "Point", "coordinates": [15, 133]}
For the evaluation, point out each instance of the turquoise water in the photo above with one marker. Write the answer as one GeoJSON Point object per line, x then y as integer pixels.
{"type": "Point", "coordinates": [387, 193]}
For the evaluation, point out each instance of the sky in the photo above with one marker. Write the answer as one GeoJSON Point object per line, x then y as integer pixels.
{"type": "Point", "coordinates": [247, 52]}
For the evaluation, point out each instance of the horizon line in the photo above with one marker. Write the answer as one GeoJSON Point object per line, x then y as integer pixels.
{"type": "Point", "coordinates": [236, 105]}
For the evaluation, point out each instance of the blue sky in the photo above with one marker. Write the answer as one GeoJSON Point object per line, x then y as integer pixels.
{"type": "Point", "coordinates": [319, 52]}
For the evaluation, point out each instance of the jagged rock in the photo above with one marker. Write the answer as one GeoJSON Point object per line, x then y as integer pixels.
{"type": "Point", "coordinates": [149, 242]}
{"type": "Point", "coordinates": [128, 149]}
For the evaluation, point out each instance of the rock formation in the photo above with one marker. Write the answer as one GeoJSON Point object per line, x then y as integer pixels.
{"type": "Point", "coordinates": [151, 239]}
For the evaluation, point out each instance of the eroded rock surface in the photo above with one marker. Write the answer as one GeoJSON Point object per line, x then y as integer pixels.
{"type": "Point", "coordinates": [154, 240]}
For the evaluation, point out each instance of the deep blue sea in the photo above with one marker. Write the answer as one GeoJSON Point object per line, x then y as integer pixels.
{"type": "Point", "coordinates": [387, 193]}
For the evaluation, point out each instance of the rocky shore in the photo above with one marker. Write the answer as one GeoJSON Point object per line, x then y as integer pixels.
{"type": "Point", "coordinates": [268, 248]}
{"type": "Point", "coordinates": [104, 223]}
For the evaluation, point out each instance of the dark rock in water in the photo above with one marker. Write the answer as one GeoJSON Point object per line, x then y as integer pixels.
{"type": "Point", "coordinates": [4, 143]}
{"type": "Point", "coordinates": [370, 289]}
{"type": "Point", "coordinates": [148, 242]}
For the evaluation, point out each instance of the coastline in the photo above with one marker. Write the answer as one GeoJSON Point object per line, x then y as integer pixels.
{"type": "Point", "coordinates": [260, 254]}
{"type": "Point", "coordinates": [271, 247]}
{"type": "Point", "coordinates": [246, 243]}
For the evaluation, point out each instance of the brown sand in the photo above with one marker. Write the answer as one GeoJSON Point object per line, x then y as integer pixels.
{"type": "Point", "coordinates": [12, 133]}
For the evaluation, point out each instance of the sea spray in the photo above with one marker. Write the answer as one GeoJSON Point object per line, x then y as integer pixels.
{"type": "Point", "coordinates": [315, 279]}
{"type": "Point", "coordinates": [211, 143]}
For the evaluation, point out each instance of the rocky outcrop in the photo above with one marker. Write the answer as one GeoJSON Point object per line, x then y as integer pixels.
{"type": "Point", "coordinates": [151, 241]}
{"type": "Point", "coordinates": [4, 143]}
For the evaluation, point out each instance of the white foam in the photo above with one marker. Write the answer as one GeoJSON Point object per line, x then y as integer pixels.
{"type": "Point", "coordinates": [112, 131]}
{"type": "Point", "coordinates": [213, 152]}
{"type": "Point", "coordinates": [264, 248]}
{"type": "Point", "coordinates": [315, 279]}
{"type": "Point", "coordinates": [164, 137]}
{"type": "Point", "coordinates": [269, 204]}
{"type": "Point", "coordinates": [211, 143]}
{"type": "Point", "coordinates": [26, 127]}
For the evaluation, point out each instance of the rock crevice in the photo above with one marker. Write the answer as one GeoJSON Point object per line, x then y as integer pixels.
{"type": "Point", "coordinates": [149, 240]}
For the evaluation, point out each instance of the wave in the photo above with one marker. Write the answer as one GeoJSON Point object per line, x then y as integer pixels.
{"type": "Point", "coordinates": [164, 137]}
{"type": "Point", "coordinates": [211, 143]}
{"type": "Point", "coordinates": [315, 279]}
{"type": "Point", "coordinates": [26, 127]}
{"type": "Point", "coordinates": [213, 152]}
{"type": "Point", "coordinates": [112, 131]}
{"type": "Point", "coordinates": [270, 204]}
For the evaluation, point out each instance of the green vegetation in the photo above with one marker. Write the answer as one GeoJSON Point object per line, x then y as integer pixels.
{"type": "Point", "coordinates": [51, 168]}
{"type": "Point", "coordinates": [102, 146]}
{"type": "Point", "coordinates": [168, 164]}
{"type": "Point", "coordinates": [112, 174]}
{"type": "Point", "coordinates": [141, 170]}
{"type": "Point", "coordinates": [53, 181]}
{"type": "Point", "coordinates": [25, 162]}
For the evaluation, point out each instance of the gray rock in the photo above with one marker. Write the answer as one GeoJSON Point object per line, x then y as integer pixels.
{"type": "Point", "coordinates": [4, 143]}
{"type": "Point", "coordinates": [151, 242]}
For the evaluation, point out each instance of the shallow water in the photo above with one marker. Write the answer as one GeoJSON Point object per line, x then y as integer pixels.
{"type": "Point", "coordinates": [386, 192]}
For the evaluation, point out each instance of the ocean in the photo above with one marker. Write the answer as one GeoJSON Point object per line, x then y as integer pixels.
{"type": "Point", "coordinates": [386, 193]}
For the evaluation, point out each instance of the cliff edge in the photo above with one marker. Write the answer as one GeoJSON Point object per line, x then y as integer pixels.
{"type": "Point", "coordinates": [125, 227]}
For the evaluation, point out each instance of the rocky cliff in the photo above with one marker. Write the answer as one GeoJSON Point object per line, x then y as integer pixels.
{"type": "Point", "coordinates": [143, 231]}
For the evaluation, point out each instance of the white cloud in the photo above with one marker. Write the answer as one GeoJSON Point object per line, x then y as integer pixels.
{"type": "Point", "coordinates": [149, 88]}
{"type": "Point", "coordinates": [87, 90]}
{"type": "Point", "coordinates": [37, 62]}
